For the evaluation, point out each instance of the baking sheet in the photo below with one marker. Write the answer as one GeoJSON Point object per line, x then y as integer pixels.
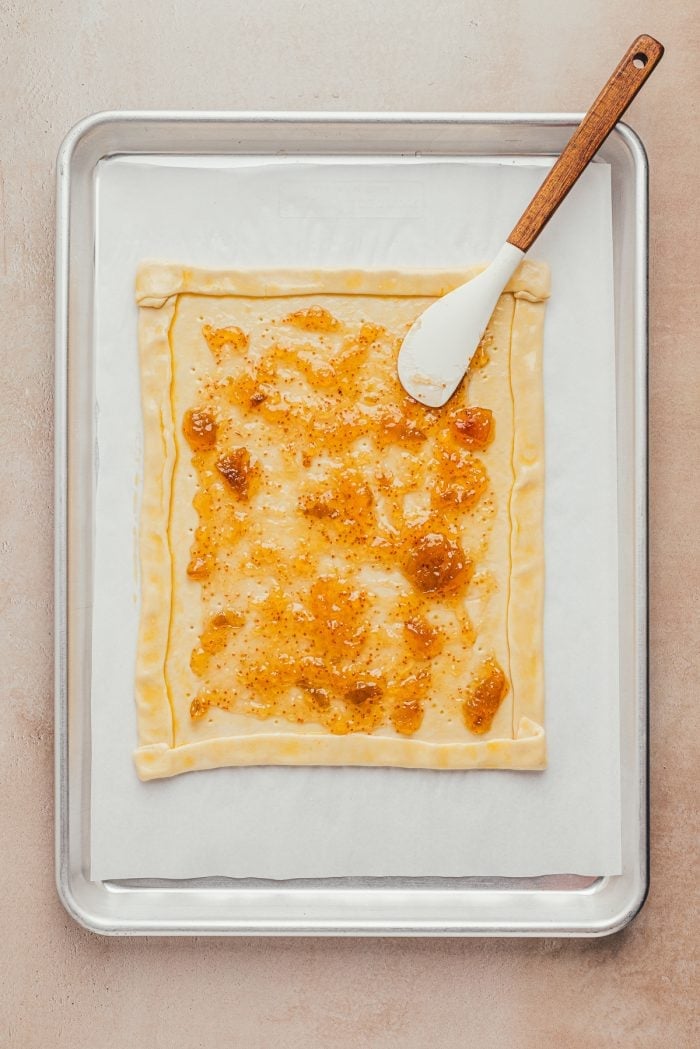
{"type": "Point", "coordinates": [295, 823]}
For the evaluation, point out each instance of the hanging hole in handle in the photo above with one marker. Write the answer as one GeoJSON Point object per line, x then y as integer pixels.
{"type": "Point", "coordinates": [640, 60]}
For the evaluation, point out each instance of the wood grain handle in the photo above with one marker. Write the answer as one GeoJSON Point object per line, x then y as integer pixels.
{"type": "Point", "coordinates": [635, 67]}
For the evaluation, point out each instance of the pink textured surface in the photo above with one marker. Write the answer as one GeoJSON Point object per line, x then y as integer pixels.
{"type": "Point", "coordinates": [62, 987]}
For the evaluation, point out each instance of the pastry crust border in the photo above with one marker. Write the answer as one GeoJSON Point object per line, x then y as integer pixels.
{"type": "Point", "coordinates": [157, 289]}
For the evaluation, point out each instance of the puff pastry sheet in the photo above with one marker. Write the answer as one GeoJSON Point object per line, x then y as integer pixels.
{"type": "Point", "coordinates": [174, 304]}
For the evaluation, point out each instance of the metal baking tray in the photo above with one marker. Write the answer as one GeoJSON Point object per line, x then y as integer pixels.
{"type": "Point", "coordinates": [547, 906]}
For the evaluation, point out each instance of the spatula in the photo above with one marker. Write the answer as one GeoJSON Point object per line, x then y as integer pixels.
{"type": "Point", "coordinates": [436, 352]}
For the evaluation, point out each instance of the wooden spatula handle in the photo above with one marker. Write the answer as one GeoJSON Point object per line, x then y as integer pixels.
{"type": "Point", "coordinates": [637, 64]}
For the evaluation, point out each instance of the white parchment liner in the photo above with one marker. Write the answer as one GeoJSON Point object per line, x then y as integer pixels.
{"type": "Point", "coordinates": [315, 822]}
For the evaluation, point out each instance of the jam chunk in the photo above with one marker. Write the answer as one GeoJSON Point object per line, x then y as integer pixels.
{"type": "Point", "coordinates": [397, 427]}
{"type": "Point", "coordinates": [363, 690]}
{"type": "Point", "coordinates": [236, 469]}
{"type": "Point", "coordinates": [369, 333]}
{"type": "Point", "coordinates": [347, 499]}
{"type": "Point", "coordinates": [436, 564]}
{"type": "Point", "coordinates": [473, 427]}
{"type": "Point", "coordinates": [213, 638]}
{"type": "Point", "coordinates": [223, 340]}
{"type": "Point", "coordinates": [200, 429]}
{"type": "Point", "coordinates": [484, 695]}
{"type": "Point", "coordinates": [210, 697]}
{"type": "Point", "coordinates": [338, 608]}
{"type": "Point", "coordinates": [461, 480]}
{"type": "Point", "coordinates": [200, 566]}
{"type": "Point", "coordinates": [313, 318]}
{"type": "Point", "coordinates": [199, 707]}
{"type": "Point", "coordinates": [319, 698]}
{"type": "Point", "coordinates": [423, 640]}
{"type": "Point", "coordinates": [407, 717]}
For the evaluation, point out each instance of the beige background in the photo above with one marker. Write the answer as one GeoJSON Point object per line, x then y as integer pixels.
{"type": "Point", "coordinates": [60, 986]}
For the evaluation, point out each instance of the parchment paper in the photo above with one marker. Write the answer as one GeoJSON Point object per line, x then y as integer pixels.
{"type": "Point", "coordinates": [315, 822]}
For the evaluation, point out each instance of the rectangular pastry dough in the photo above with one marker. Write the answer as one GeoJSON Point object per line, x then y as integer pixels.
{"type": "Point", "coordinates": [332, 574]}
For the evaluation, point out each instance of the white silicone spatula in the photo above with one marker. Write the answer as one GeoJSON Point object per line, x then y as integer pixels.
{"type": "Point", "coordinates": [436, 352]}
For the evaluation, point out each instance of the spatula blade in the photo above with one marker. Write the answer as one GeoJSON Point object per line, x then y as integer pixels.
{"type": "Point", "coordinates": [436, 352]}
